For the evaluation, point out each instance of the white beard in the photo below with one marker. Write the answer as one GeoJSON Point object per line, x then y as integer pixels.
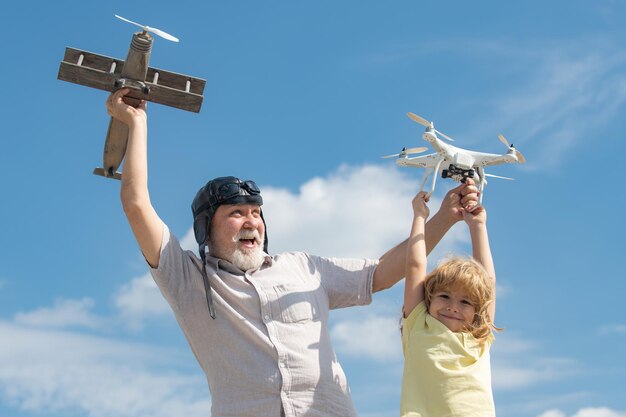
{"type": "Point", "coordinates": [246, 259]}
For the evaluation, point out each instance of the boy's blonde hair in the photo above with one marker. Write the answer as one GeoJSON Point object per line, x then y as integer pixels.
{"type": "Point", "coordinates": [471, 277]}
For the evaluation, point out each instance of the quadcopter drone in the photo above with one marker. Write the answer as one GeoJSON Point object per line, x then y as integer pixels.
{"type": "Point", "coordinates": [455, 163]}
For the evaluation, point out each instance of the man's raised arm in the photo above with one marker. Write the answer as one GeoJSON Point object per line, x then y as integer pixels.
{"type": "Point", "coordinates": [143, 219]}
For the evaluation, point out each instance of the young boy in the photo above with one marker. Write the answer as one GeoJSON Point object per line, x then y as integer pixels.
{"type": "Point", "coordinates": [447, 325]}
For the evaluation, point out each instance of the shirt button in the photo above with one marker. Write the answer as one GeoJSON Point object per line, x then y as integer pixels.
{"type": "Point", "coordinates": [266, 317]}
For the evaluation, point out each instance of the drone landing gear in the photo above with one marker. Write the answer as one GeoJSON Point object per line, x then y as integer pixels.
{"type": "Point", "coordinates": [457, 174]}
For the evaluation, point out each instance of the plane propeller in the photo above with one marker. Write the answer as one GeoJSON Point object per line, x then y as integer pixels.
{"type": "Point", "coordinates": [156, 31]}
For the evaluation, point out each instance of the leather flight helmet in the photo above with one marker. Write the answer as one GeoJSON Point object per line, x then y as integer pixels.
{"type": "Point", "coordinates": [218, 191]}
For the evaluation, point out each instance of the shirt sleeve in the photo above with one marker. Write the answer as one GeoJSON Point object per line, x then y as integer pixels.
{"type": "Point", "coordinates": [348, 282]}
{"type": "Point", "coordinates": [174, 271]}
{"type": "Point", "coordinates": [415, 321]}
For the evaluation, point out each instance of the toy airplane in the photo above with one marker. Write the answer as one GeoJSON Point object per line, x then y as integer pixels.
{"type": "Point", "coordinates": [146, 83]}
{"type": "Point", "coordinates": [456, 163]}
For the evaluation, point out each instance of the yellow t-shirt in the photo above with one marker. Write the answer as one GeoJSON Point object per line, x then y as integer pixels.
{"type": "Point", "coordinates": [445, 373]}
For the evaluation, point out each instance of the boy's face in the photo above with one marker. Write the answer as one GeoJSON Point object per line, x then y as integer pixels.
{"type": "Point", "coordinates": [453, 308]}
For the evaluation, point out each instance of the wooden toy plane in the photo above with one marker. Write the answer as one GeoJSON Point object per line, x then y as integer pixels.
{"type": "Point", "coordinates": [146, 83]}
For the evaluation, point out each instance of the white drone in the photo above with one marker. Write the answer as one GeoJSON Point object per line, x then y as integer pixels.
{"type": "Point", "coordinates": [456, 163]}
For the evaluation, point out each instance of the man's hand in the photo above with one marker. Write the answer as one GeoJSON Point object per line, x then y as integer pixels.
{"type": "Point", "coordinates": [459, 200]}
{"type": "Point", "coordinates": [118, 109]}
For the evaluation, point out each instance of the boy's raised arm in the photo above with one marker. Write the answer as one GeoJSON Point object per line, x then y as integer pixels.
{"type": "Point", "coordinates": [481, 251]}
{"type": "Point", "coordinates": [416, 255]}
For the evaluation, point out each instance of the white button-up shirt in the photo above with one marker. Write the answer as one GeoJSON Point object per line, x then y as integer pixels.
{"type": "Point", "coordinates": [268, 351]}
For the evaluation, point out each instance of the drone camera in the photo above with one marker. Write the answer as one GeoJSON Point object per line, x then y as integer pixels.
{"type": "Point", "coordinates": [457, 174]}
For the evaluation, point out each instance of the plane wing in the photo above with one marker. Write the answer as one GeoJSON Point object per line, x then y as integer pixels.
{"type": "Point", "coordinates": [99, 71]}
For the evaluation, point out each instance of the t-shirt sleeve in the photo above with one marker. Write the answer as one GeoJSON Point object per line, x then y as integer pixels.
{"type": "Point", "coordinates": [414, 322]}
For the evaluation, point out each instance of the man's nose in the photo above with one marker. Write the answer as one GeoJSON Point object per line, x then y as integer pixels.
{"type": "Point", "coordinates": [251, 222]}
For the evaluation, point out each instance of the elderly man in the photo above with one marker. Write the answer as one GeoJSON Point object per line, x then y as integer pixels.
{"type": "Point", "coordinates": [257, 324]}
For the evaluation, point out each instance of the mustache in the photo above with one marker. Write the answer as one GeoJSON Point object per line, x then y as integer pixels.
{"type": "Point", "coordinates": [248, 234]}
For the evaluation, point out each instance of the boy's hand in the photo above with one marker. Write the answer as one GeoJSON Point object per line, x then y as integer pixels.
{"type": "Point", "coordinates": [118, 109]}
{"type": "Point", "coordinates": [420, 209]}
{"type": "Point", "coordinates": [476, 217]}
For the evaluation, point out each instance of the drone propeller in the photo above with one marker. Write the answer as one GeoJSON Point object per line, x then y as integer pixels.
{"type": "Point", "coordinates": [151, 29]}
{"type": "Point", "coordinates": [497, 176]}
{"type": "Point", "coordinates": [426, 123]}
{"type": "Point", "coordinates": [419, 119]}
{"type": "Point", "coordinates": [519, 155]}
{"type": "Point", "coordinates": [408, 151]}
{"type": "Point", "coordinates": [503, 140]}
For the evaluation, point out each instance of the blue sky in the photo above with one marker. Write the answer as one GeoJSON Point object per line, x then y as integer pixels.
{"type": "Point", "coordinates": [304, 97]}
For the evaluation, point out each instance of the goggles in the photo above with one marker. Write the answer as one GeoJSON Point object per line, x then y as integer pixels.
{"type": "Point", "coordinates": [233, 189]}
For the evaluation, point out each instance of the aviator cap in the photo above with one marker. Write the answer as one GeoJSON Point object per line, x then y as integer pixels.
{"type": "Point", "coordinates": [218, 191]}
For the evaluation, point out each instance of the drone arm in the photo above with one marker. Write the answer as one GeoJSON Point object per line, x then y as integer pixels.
{"type": "Point", "coordinates": [427, 173]}
{"type": "Point", "coordinates": [435, 173]}
{"type": "Point", "coordinates": [481, 183]}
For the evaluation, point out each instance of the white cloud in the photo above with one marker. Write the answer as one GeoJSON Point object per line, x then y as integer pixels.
{"type": "Point", "coordinates": [599, 412]}
{"type": "Point", "coordinates": [354, 212]}
{"type": "Point", "coordinates": [613, 329]}
{"type": "Point", "coordinates": [586, 412]}
{"type": "Point", "coordinates": [371, 336]}
{"type": "Point", "coordinates": [138, 300]}
{"type": "Point", "coordinates": [64, 372]}
{"type": "Point", "coordinates": [516, 365]}
{"type": "Point", "coordinates": [553, 413]}
{"type": "Point", "coordinates": [64, 313]}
